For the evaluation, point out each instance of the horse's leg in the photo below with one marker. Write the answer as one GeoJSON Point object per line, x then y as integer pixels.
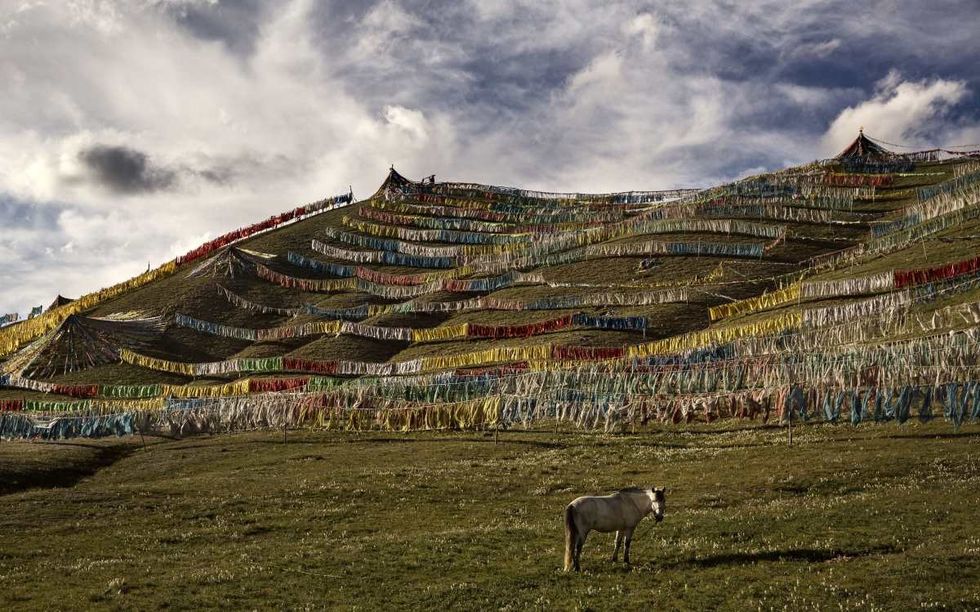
{"type": "Point", "coordinates": [619, 540]}
{"type": "Point", "coordinates": [579, 544]}
{"type": "Point", "coordinates": [629, 541]}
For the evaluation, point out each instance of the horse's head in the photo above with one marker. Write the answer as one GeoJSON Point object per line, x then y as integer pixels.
{"type": "Point", "coordinates": [658, 502]}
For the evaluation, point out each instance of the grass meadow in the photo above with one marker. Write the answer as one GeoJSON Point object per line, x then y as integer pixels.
{"type": "Point", "coordinates": [880, 517]}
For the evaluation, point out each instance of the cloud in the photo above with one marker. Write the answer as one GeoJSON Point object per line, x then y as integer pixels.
{"type": "Point", "coordinates": [413, 122]}
{"type": "Point", "coordinates": [125, 170]}
{"type": "Point", "coordinates": [905, 112]}
{"type": "Point", "coordinates": [236, 25]}
{"type": "Point", "coordinates": [132, 131]}
{"type": "Point", "coordinates": [644, 25]}
{"type": "Point", "coordinates": [818, 49]}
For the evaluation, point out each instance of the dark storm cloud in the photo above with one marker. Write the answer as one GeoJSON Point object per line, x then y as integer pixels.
{"type": "Point", "coordinates": [442, 55]}
{"type": "Point", "coordinates": [125, 170]}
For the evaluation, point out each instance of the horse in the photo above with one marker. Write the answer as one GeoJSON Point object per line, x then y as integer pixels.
{"type": "Point", "coordinates": [620, 512]}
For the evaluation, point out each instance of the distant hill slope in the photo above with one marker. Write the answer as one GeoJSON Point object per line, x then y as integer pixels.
{"type": "Point", "coordinates": [440, 277]}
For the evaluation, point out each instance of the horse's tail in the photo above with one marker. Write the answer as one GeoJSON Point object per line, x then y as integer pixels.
{"type": "Point", "coordinates": [571, 536]}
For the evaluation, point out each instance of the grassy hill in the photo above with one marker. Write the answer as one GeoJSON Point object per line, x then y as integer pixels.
{"type": "Point", "coordinates": [815, 211]}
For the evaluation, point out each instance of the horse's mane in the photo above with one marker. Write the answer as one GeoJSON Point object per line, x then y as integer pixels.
{"type": "Point", "coordinates": [632, 490]}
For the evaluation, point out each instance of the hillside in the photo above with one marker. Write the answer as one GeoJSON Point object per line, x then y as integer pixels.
{"type": "Point", "coordinates": [843, 289]}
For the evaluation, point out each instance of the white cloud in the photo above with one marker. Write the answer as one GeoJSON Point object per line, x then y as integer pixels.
{"type": "Point", "coordinates": [804, 96]}
{"type": "Point", "coordinates": [645, 26]}
{"type": "Point", "coordinates": [817, 50]}
{"type": "Point", "coordinates": [383, 26]}
{"type": "Point", "coordinates": [605, 70]}
{"type": "Point", "coordinates": [413, 122]}
{"type": "Point", "coordinates": [899, 111]}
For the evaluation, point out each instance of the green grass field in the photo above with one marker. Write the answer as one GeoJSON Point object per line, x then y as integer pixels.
{"type": "Point", "coordinates": [879, 516]}
{"type": "Point", "coordinates": [868, 517]}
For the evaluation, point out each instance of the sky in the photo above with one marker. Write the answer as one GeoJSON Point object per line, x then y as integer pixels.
{"type": "Point", "coordinates": [131, 132]}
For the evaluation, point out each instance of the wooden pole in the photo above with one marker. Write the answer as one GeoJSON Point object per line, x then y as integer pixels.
{"type": "Point", "coordinates": [790, 426]}
{"type": "Point", "coordinates": [496, 424]}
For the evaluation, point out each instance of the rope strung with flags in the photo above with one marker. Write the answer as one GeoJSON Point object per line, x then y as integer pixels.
{"type": "Point", "coordinates": [438, 222]}
{"type": "Point", "coordinates": [541, 352]}
{"type": "Point", "coordinates": [342, 409]}
{"type": "Point", "coordinates": [13, 337]}
{"type": "Point", "coordinates": [409, 334]}
{"type": "Point", "coordinates": [483, 212]}
{"type": "Point", "coordinates": [773, 359]}
{"type": "Point", "coordinates": [318, 207]}
{"type": "Point", "coordinates": [400, 291]}
{"type": "Point", "coordinates": [642, 298]}
{"type": "Point", "coordinates": [847, 287]}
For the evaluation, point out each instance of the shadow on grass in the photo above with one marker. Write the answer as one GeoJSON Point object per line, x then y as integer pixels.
{"type": "Point", "coordinates": [810, 555]}
{"type": "Point", "coordinates": [486, 439]}
{"type": "Point", "coordinates": [926, 435]}
{"type": "Point", "coordinates": [298, 441]}
{"type": "Point", "coordinates": [752, 427]}
{"type": "Point", "coordinates": [58, 475]}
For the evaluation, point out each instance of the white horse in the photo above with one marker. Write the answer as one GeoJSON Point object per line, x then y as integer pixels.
{"type": "Point", "coordinates": [619, 512]}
